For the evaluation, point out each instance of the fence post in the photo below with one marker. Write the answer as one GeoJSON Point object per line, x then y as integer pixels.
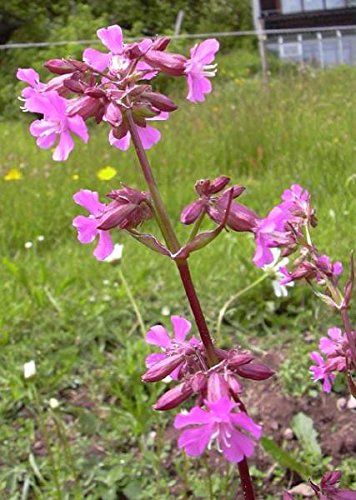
{"type": "Point", "coordinates": [301, 49]}
{"type": "Point", "coordinates": [321, 50]}
{"type": "Point", "coordinates": [340, 48]}
{"type": "Point", "coordinates": [178, 23]}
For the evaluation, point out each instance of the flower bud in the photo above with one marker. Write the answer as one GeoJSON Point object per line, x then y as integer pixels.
{"type": "Point", "coordinates": [73, 85]}
{"type": "Point", "coordinates": [198, 382]}
{"type": "Point", "coordinates": [217, 387]}
{"type": "Point", "coordinates": [218, 184]}
{"type": "Point", "coordinates": [171, 64]}
{"type": "Point", "coordinates": [59, 66]}
{"type": "Point", "coordinates": [192, 212]}
{"type": "Point", "coordinates": [160, 370]}
{"type": "Point", "coordinates": [255, 371]}
{"type": "Point", "coordinates": [235, 360]}
{"type": "Point", "coordinates": [174, 397]}
{"type": "Point", "coordinates": [160, 101]}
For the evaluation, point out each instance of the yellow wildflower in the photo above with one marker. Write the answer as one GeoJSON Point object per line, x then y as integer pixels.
{"type": "Point", "coordinates": [75, 177]}
{"type": "Point", "coordinates": [106, 173]}
{"type": "Point", "coordinates": [14, 174]}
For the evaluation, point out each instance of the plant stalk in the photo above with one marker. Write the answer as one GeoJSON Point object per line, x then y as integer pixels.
{"type": "Point", "coordinates": [172, 242]}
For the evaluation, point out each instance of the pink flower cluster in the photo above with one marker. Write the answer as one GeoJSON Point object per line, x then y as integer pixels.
{"type": "Point", "coordinates": [105, 85]}
{"type": "Point", "coordinates": [337, 352]}
{"type": "Point", "coordinates": [219, 415]}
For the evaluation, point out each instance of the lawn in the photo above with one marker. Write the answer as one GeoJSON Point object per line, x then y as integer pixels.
{"type": "Point", "coordinates": [72, 315]}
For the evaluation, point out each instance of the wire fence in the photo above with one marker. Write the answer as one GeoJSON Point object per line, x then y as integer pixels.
{"type": "Point", "coordinates": [321, 47]}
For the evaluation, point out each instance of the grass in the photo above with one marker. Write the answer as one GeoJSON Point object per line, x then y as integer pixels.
{"type": "Point", "coordinates": [71, 314]}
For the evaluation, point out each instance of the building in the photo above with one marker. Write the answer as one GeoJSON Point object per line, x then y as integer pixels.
{"type": "Point", "coordinates": [327, 30]}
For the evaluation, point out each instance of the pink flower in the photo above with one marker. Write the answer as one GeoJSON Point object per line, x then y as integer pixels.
{"type": "Point", "coordinates": [319, 372]}
{"type": "Point", "coordinates": [87, 227]}
{"type": "Point", "coordinates": [176, 348]}
{"type": "Point", "coordinates": [55, 123]}
{"type": "Point", "coordinates": [112, 38]}
{"type": "Point", "coordinates": [198, 69]}
{"type": "Point", "coordinates": [221, 423]}
{"type": "Point", "coordinates": [333, 345]}
{"type": "Point", "coordinates": [270, 233]}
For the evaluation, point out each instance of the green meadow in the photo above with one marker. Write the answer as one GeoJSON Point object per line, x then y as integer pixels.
{"type": "Point", "coordinates": [72, 314]}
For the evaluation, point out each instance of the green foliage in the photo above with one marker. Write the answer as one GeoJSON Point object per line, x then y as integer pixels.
{"type": "Point", "coordinates": [71, 314]}
{"type": "Point", "coordinates": [303, 428]}
{"type": "Point", "coordinates": [285, 458]}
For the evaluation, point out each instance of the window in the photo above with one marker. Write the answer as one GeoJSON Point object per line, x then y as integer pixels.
{"type": "Point", "coordinates": [289, 6]}
{"type": "Point", "coordinates": [335, 4]}
{"type": "Point", "coordinates": [313, 5]}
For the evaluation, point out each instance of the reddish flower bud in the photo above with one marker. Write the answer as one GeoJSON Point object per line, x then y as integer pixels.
{"type": "Point", "coordinates": [217, 387]}
{"type": "Point", "coordinates": [192, 211]}
{"type": "Point", "coordinates": [161, 43]}
{"type": "Point", "coordinates": [255, 371]}
{"type": "Point", "coordinates": [169, 63]}
{"type": "Point", "coordinates": [65, 66]}
{"type": "Point", "coordinates": [236, 360]}
{"type": "Point", "coordinates": [174, 397]}
{"type": "Point", "coordinates": [74, 86]}
{"type": "Point", "coordinates": [198, 382]}
{"type": "Point", "coordinates": [218, 184]}
{"type": "Point", "coordinates": [160, 370]}
{"type": "Point", "coordinates": [160, 101]}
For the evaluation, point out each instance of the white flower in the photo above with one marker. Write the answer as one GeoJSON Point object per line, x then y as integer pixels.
{"type": "Point", "coordinates": [28, 244]}
{"type": "Point", "coordinates": [40, 238]}
{"type": "Point", "coordinates": [29, 369]}
{"type": "Point", "coordinates": [165, 311]}
{"type": "Point", "coordinates": [273, 269]}
{"type": "Point", "coordinates": [116, 254]}
{"type": "Point", "coordinates": [53, 403]}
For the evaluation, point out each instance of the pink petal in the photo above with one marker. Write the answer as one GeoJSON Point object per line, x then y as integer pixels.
{"type": "Point", "coordinates": [204, 52]}
{"type": "Point", "coordinates": [104, 247]}
{"type": "Point", "coordinates": [65, 146]}
{"type": "Point", "coordinates": [111, 37]}
{"type": "Point", "coordinates": [89, 200]}
{"type": "Point", "coordinates": [240, 446]}
{"type": "Point", "coordinates": [56, 106]}
{"type": "Point", "coordinates": [46, 141]}
{"type": "Point", "coordinates": [43, 127]}
{"type": "Point", "coordinates": [123, 143]}
{"type": "Point", "coordinates": [159, 336]}
{"type": "Point", "coordinates": [86, 228]}
{"type": "Point", "coordinates": [245, 422]}
{"type": "Point", "coordinates": [194, 441]}
{"type": "Point", "coordinates": [335, 334]}
{"type": "Point", "coordinates": [28, 75]}
{"type": "Point", "coordinates": [196, 416]}
{"type": "Point", "coordinates": [96, 59]}
{"type": "Point", "coordinates": [77, 125]}
{"type": "Point", "coordinates": [154, 358]}
{"type": "Point", "coordinates": [263, 254]}
{"type": "Point", "coordinates": [149, 136]}
{"type": "Point", "coordinates": [181, 327]}
{"type": "Point", "coordinates": [198, 85]}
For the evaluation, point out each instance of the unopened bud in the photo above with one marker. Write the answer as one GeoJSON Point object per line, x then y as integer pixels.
{"type": "Point", "coordinates": [174, 397]}
{"type": "Point", "coordinates": [160, 101]}
{"type": "Point", "coordinates": [217, 387]}
{"type": "Point", "coordinates": [160, 370]}
{"type": "Point", "coordinates": [59, 66]}
{"type": "Point", "coordinates": [74, 85]}
{"type": "Point", "coordinates": [255, 371]}
{"type": "Point", "coordinates": [169, 63]}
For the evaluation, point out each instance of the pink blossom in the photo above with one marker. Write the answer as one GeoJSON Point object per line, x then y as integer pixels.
{"type": "Point", "coordinates": [270, 233]}
{"type": "Point", "coordinates": [221, 423]}
{"type": "Point", "coordinates": [112, 38]}
{"type": "Point", "coordinates": [178, 345]}
{"type": "Point", "coordinates": [87, 227]}
{"type": "Point", "coordinates": [319, 371]}
{"type": "Point", "coordinates": [55, 123]}
{"type": "Point", "coordinates": [333, 345]}
{"type": "Point", "coordinates": [198, 69]}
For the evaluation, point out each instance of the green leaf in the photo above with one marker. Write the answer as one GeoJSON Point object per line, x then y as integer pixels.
{"type": "Point", "coordinates": [284, 458]}
{"type": "Point", "coordinates": [303, 427]}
